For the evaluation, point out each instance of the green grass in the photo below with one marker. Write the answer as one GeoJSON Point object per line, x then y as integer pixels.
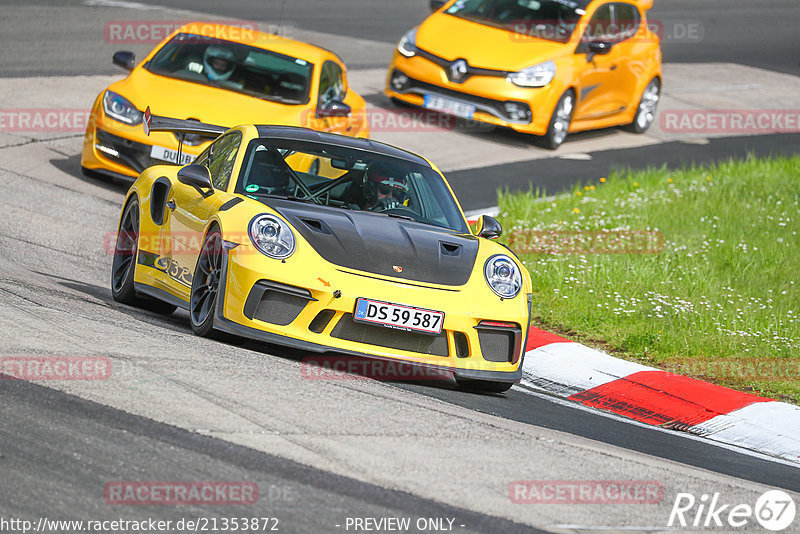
{"type": "Point", "coordinates": [720, 301]}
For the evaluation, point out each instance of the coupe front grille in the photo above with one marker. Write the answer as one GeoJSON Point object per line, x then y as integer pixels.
{"type": "Point", "coordinates": [275, 303]}
{"type": "Point", "coordinates": [496, 345]}
{"type": "Point", "coordinates": [350, 330]}
{"type": "Point", "coordinates": [488, 105]}
{"type": "Point", "coordinates": [279, 308]}
{"type": "Point", "coordinates": [131, 154]}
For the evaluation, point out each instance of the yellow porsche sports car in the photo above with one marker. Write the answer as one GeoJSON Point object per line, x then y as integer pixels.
{"type": "Point", "coordinates": [216, 74]}
{"type": "Point", "coordinates": [544, 67]}
{"type": "Point", "coordinates": [366, 252]}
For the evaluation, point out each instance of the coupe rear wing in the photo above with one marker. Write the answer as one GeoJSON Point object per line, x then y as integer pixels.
{"type": "Point", "coordinates": [156, 123]}
{"type": "Point", "coordinates": [182, 127]}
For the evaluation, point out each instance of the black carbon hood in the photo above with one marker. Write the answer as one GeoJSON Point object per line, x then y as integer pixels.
{"type": "Point", "coordinates": [383, 245]}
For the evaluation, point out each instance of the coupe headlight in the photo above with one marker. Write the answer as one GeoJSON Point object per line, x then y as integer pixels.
{"type": "Point", "coordinates": [271, 236]}
{"type": "Point", "coordinates": [503, 276]}
{"type": "Point", "coordinates": [408, 43]}
{"type": "Point", "coordinates": [536, 76]}
{"type": "Point", "coordinates": [121, 109]}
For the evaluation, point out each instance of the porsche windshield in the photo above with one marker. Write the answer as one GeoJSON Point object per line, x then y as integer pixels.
{"type": "Point", "coordinates": [236, 67]}
{"type": "Point", "coordinates": [554, 20]}
{"type": "Point", "coordinates": [350, 179]}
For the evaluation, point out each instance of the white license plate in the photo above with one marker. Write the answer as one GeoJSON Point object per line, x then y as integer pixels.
{"type": "Point", "coordinates": [446, 105]}
{"type": "Point", "coordinates": [167, 154]}
{"type": "Point", "coordinates": [399, 316]}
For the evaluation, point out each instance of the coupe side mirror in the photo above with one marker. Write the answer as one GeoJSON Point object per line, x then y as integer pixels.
{"type": "Point", "coordinates": [488, 227]}
{"type": "Point", "coordinates": [334, 108]}
{"type": "Point", "coordinates": [197, 176]}
{"type": "Point", "coordinates": [436, 5]}
{"type": "Point", "coordinates": [124, 59]}
{"type": "Point", "coordinates": [600, 47]}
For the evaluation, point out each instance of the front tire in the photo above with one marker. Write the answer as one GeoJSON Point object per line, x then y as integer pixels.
{"type": "Point", "coordinates": [646, 112]}
{"type": "Point", "coordinates": [559, 122]}
{"type": "Point", "coordinates": [205, 288]}
{"type": "Point", "coordinates": [483, 386]}
{"type": "Point", "coordinates": [123, 267]}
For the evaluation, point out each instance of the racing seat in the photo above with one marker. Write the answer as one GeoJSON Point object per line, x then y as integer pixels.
{"type": "Point", "coordinates": [268, 171]}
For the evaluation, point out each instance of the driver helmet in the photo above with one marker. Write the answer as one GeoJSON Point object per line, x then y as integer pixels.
{"type": "Point", "coordinates": [387, 184]}
{"type": "Point", "coordinates": [218, 61]}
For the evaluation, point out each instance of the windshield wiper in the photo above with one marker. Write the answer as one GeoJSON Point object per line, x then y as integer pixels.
{"type": "Point", "coordinates": [404, 217]}
{"type": "Point", "coordinates": [279, 99]}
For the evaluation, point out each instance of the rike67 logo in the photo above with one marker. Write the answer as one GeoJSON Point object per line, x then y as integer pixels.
{"type": "Point", "coordinates": [774, 510]}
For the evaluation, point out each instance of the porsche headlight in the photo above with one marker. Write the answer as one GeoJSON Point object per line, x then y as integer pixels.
{"type": "Point", "coordinates": [120, 108]}
{"type": "Point", "coordinates": [408, 43]}
{"type": "Point", "coordinates": [503, 276]}
{"type": "Point", "coordinates": [535, 76]}
{"type": "Point", "coordinates": [271, 236]}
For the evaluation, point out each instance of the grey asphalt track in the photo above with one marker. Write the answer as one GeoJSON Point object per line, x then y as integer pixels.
{"type": "Point", "coordinates": [60, 444]}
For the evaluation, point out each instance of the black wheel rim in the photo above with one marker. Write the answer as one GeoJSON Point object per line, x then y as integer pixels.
{"type": "Point", "coordinates": [206, 280]}
{"type": "Point", "coordinates": [125, 249]}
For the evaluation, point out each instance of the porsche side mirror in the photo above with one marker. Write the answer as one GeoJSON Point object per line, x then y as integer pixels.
{"type": "Point", "coordinates": [197, 176]}
{"type": "Point", "coordinates": [437, 4]}
{"type": "Point", "coordinates": [600, 47]}
{"type": "Point", "coordinates": [334, 108]}
{"type": "Point", "coordinates": [124, 59]}
{"type": "Point", "coordinates": [488, 227]}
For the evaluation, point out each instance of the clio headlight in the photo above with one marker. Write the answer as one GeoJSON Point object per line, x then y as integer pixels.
{"type": "Point", "coordinates": [503, 276]}
{"type": "Point", "coordinates": [271, 236]}
{"type": "Point", "coordinates": [408, 43]}
{"type": "Point", "coordinates": [121, 109]}
{"type": "Point", "coordinates": [535, 76]}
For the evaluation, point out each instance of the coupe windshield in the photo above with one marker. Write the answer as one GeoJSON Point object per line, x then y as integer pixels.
{"type": "Point", "coordinates": [554, 20]}
{"type": "Point", "coordinates": [245, 69]}
{"type": "Point", "coordinates": [350, 179]}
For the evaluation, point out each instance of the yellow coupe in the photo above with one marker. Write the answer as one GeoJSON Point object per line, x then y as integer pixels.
{"type": "Point", "coordinates": [323, 242]}
{"type": "Point", "coordinates": [544, 67]}
{"type": "Point", "coordinates": [216, 74]}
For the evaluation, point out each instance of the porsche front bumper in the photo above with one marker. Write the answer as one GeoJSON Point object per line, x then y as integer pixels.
{"type": "Point", "coordinates": [483, 340]}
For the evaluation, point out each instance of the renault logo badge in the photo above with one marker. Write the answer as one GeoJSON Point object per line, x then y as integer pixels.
{"type": "Point", "coordinates": [458, 70]}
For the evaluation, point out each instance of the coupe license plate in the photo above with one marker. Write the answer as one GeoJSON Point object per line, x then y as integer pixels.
{"type": "Point", "coordinates": [167, 154]}
{"type": "Point", "coordinates": [399, 316]}
{"type": "Point", "coordinates": [445, 105]}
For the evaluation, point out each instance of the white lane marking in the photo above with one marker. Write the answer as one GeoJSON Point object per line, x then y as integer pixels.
{"type": "Point", "coordinates": [572, 367]}
{"type": "Point", "coordinates": [773, 427]}
{"type": "Point", "coordinates": [122, 4]}
{"type": "Point", "coordinates": [578, 156]}
{"type": "Point", "coordinates": [544, 395]}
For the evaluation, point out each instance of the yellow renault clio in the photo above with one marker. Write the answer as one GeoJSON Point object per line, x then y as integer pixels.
{"type": "Point", "coordinates": [544, 67]}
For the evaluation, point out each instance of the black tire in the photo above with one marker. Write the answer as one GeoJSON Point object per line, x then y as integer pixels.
{"type": "Point", "coordinates": [123, 266]}
{"type": "Point", "coordinates": [646, 112]}
{"type": "Point", "coordinates": [483, 386]}
{"type": "Point", "coordinates": [559, 121]}
{"type": "Point", "coordinates": [205, 289]}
